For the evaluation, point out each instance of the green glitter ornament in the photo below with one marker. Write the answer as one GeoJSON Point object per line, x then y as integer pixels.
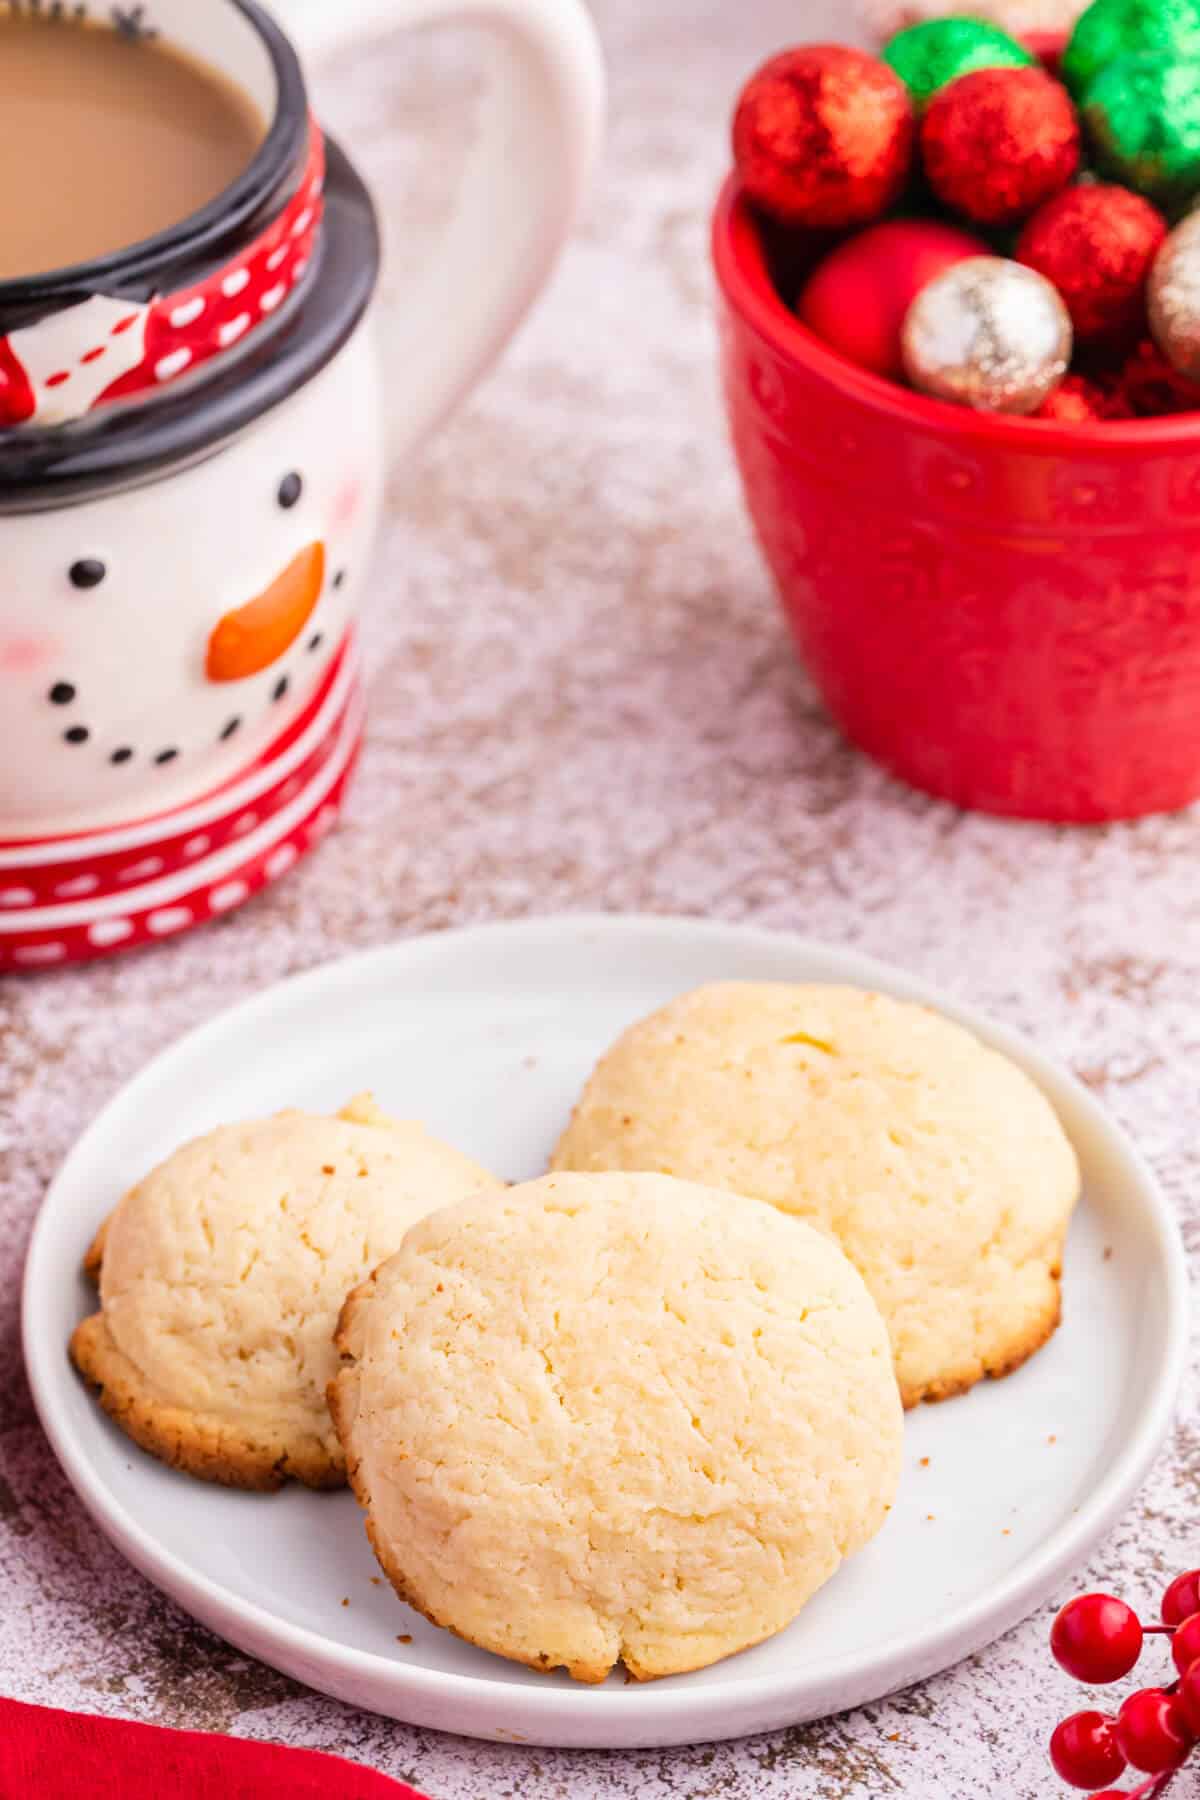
{"type": "Point", "coordinates": [1111, 29]}
{"type": "Point", "coordinates": [927, 57]}
{"type": "Point", "coordinates": [1143, 117]}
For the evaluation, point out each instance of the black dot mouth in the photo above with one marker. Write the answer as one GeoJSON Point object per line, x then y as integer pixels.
{"type": "Point", "coordinates": [63, 693]}
{"type": "Point", "coordinates": [339, 577]}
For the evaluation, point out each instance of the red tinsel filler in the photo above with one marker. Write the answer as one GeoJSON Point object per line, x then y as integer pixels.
{"type": "Point", "coordinates": [1151, 388]}
{"type": "Point", "coordinates": [824, 137]}
{"type": "Point", "coordinates": [1096, 244]}
{"type": "Point", "coordinates": [999, 142]}
{"type": "Point", "coordinates": [1078, 401]}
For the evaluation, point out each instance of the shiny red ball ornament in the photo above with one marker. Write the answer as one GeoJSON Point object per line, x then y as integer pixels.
{"type": "Point", "coordinates": [1000, 142]}
{"type": "Point", "coordinates": [1153, 1732]}
{"type": "Point", "coordinates": [823, 137]}
{"type": "Point", "coordinates": [1096, 1638]}
{"type": "Point", "coordinates": [1085, 1752]}
{"type": "Point", "coordinates": [1182, 1598]}
{"type": "Point", "coordinates": [858, 298]}
{"type": "Point", "coordinates": [1096, 244]}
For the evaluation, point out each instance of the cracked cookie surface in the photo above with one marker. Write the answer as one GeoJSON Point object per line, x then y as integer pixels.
{"type": "Point", "coordinates": [616, 1417]}
{"type": "Point", "coordinates": [221, 1275]}
{"type": "Point", "coordinates": [936, 1163]}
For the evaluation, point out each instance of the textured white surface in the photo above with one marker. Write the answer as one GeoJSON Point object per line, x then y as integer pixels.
{"type": "Point", "coordinates": [883, 17]}
{"type": "Point", "coordinates": [583, 698]}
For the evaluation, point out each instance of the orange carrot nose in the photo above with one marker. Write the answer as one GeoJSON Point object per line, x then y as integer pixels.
{"type": "Point", "coordinates": [257, 634]}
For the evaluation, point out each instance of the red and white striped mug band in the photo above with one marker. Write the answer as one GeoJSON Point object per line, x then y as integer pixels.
{"type": "Point", "coordinates": [103, 349]}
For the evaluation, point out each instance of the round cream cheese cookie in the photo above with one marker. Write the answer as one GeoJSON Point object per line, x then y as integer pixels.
{"type": "Point", "coordinates": [936, 1163]}
{"type": "Point", "coordinates": [221, 1276]}
{"type": "Point", "coordinates": [605, 1417]}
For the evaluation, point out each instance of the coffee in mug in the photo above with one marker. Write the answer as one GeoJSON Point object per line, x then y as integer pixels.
{"type": "Point", "coordinates": [107, 136]}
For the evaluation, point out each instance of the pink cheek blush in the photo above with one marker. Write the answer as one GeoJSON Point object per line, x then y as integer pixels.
{"type": "Point", "coordinates": [347, 502]}
{"type": "Point", "coordinates": [26, 655]}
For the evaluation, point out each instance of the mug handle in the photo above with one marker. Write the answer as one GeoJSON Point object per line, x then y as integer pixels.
{"type": "Point", "coordinates": [537, 143]}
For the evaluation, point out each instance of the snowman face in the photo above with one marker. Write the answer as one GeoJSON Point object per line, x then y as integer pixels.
{"type": "Point", "coordinates": [155, 642]}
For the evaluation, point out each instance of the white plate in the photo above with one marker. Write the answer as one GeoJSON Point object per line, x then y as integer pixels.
{"type": "Point", "coordinates": [488, 1034]}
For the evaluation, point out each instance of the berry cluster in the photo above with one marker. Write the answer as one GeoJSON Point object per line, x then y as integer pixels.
{"type": "Point", "coordinates": [1098, 1639]}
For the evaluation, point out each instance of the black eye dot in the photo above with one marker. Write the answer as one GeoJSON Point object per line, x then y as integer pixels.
{"type": "Point", "coordinates": [339, 578]}
{"type": "Point", "coordinates": [280, 688]}
{"type": "Point", "coordinates": [316, 640]}
{"type": "Point", "coordinates": [290, 489]}
{"type": "Point", "coordinates": [228, 729]}
{"type": "Point", "coordinates": [78, 734]}
{"type": "Point", "coordinates": [166, 756]}
{"type": "Point", "coordinates": [88, 572]}
{"type": "Point", "coordinates": [122, 755]}
{"type": "Point", "coordinates": [61, 694]}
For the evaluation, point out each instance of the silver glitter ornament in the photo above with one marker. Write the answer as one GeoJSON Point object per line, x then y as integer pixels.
{"type": "Point", "coordinates": [990, 334]}
{"type": "Point", "coordinates": [1173, 298]}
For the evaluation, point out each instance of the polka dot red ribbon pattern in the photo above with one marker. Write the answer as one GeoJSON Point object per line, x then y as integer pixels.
{"type": "Point", "coordinates": [84, 357]}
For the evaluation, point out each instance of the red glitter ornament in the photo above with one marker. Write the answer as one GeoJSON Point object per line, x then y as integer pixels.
{"type": "Point", "coordinates": [824, 137]}
{"type": "Point", "coordinates": [1080, 401]}
{"type": "Point", "coordinates": [1152, 389]}
{"type": "Point", "coordinates": [1096, 244]}
{"type": "Point", "coordinates": [859, 296]}
{"type": "Point", "coordinates": [999, 142]}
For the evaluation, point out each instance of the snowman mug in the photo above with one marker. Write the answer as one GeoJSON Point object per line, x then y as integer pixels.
{"type": "Point", "coordinates": [191, 459]}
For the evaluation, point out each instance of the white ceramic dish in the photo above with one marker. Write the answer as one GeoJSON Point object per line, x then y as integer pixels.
{"type": "Point", "coordinates": [487, 1034]}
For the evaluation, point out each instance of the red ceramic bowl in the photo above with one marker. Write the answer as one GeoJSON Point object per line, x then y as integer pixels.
{"type": "Point", "coordinates": [1002, 611]}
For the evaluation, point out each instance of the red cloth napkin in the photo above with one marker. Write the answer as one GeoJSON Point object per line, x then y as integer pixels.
{"type": "Point", "coordinates": [51, 1755]}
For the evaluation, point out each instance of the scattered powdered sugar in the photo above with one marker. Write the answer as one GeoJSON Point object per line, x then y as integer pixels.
{"type": "Point", "coordinates": [882, 18]}
{"type": "Point", "coordinates": [583, 697]}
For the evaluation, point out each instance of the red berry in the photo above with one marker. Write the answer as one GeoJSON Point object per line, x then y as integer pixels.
{"type": "Point", "coordinates": [1084, 1750]}
{"type": "Point", "coordinates": [1096, 1638]}
{"type": "Point", "coordinates": [1153, 1732]}
{"type": "Point", "coordinates": [1182, 1598]}
{"type": "Point", "coordinates": [1185, 1645]}
{"type": "Point", "coordinates": [1188, 1695]}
